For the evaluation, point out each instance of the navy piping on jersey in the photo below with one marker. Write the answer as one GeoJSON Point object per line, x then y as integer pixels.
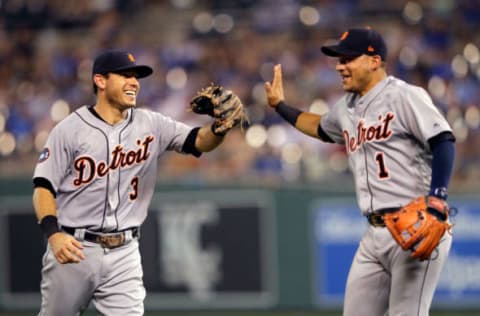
{"type": "Point", "coordinates": [365, 151]}
{"type": "Point", "coordinates": [40, 182]}
{"type": "Point", "coordinates": [120, 169]}
{"type": "Point", "coordinates": [108, 160]}
{"type": "Point", "coordinates": [92, 110]}
{"type": "Point", "coordinates": [367, 177]}
{"type": "Point", "coordinates": [421, 288]}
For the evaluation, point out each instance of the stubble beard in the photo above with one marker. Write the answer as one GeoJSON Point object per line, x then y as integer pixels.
{"type": "Point", "coordinates": [121, 105]}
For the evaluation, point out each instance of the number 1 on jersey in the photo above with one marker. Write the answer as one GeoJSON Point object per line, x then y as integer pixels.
{"type": "Point", "coordinates": [382, 169]}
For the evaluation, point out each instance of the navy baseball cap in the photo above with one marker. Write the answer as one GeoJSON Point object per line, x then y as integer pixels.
{"type": "Point", "coordinates": [356, 42]}
{"type": "Point", "coordinates": [119, 61]}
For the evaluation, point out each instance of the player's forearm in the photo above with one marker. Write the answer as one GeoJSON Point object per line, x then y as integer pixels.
{"type": "Point", "coordinates": [305, 122]}
{"type": "Point", "coordinates": [46, 211]}
{"type": "Point", "coordinates": [44, 203]}
{"type": "Point", "coordinates": [207, 141]}
{"type": "Point", "coordinates": [308, 123]}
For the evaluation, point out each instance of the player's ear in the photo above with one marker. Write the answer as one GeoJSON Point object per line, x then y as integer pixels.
{"type": "Point", "coordinates": [99, 81]}
{"type": "Point", "coordinates": [375, 62]}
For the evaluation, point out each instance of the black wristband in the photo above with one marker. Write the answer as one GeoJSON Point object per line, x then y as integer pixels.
{"type": "Point", "coordinates": [288, 113]}
{"type": "Point", "coordinates": [49, 225]}
{"type": "Point", "coordinates": [441, 193]}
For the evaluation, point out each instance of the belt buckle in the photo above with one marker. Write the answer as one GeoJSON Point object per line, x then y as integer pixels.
{"type": "Point", "coordinates": [376, 220]}
{"type": "Point", "coordinates": [111, 241]}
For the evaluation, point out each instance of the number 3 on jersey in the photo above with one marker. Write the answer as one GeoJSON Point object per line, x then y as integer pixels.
{"type": "Point", "coordinates": [382, 168]}
{"type": "Point", "coordinates": [134, 193]}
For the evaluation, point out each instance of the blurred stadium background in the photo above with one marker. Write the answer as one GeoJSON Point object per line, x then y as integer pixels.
{"type": "Point", "coordinates": [265, 242]}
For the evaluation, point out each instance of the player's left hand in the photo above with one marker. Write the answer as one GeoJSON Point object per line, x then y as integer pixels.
{"type": "Point", "coordinates": [223, 105]}
{"type": "Point", "coordinates": [419, 225]}
{"type": "Point", "coordinates": [274, 90]}
{"type": "Point", "coordinates": [66, 248]}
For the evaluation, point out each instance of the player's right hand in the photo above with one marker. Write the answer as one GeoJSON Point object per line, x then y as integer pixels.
{"type": "Point", "coordinates": [274, 90]}
{"type": "Point", "coordinates": [66, 248]}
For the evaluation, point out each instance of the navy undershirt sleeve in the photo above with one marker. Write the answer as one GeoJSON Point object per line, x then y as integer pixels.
{"type": "Point", "coordinates": [189, 145]}
{"type": "Point", "coordinates": [40, 182]}
{"type": "Point", "coordinates": [323, 136]}
{"type": "Point", "coordinates": [443, 150]}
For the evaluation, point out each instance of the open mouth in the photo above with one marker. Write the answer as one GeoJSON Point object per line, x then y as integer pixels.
{"type": "Point", "coordinates": [131, 95]}
{"type": "Point", "coordinates": [345, 78]}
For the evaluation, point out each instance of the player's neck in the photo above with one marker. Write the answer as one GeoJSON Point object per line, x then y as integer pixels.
{"type": "Point", "coordinates": [376, 78]}
{"type": "Point", "coordinates": [109, 113]}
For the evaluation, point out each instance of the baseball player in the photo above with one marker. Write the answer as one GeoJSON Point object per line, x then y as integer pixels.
{"type": "Point", "coordinates": [399, 147]}
{"type": "Point", "coordinates": [94, 181]}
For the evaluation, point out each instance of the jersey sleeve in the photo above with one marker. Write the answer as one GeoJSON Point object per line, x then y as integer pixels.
{"type": "Point", "coordinates": [329, 124]}
{"type": "Point", "coordinates": [420, 116]}
{"type": "Point", "coordinates": [55, 157]}
{"type": "Point", "coordinates": [172, 133]}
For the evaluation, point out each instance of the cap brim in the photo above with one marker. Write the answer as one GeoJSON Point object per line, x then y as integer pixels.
{"type": "Point", "coordinates": [142, 71]}
{"type": "Point", "coordinates": [336, 51]}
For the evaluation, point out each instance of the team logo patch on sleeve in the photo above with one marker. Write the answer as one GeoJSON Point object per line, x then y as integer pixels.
{"type": "Point", "coordinates": [44, 155]}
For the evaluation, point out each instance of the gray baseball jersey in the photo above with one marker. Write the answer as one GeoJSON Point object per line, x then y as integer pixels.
{"type": "Point", "coordinates": [383, 132]}
{"type": "Point", "coordinates": [386, 134]}
{"type": "Point", "coordinates": [105, 175]}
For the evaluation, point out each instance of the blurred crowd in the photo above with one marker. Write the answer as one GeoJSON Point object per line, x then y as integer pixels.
{"type": "Point", "coordinates": [47, 46]}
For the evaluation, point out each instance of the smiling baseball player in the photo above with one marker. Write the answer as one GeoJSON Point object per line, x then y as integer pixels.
{"type": "Point", "coordinates": [94, 181]}
{"type": "Point", "coordinates": [401, 152]}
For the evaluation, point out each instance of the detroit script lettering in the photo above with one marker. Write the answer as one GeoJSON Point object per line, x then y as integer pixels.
{"type": "Point", "coordinates": [365, 134]}
{"type": "Point", "coordinates": [87, 168]}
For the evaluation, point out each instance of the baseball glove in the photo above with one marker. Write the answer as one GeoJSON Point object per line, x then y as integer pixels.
{"type": "Point", "coordinates": [419, 225]}
{"type": "Point", "coordinates": [223, 105]}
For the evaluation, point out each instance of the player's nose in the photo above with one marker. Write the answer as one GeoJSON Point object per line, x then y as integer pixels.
{"type": "Point", "coordinates": [133, 81]}
{"type": "Point", "coordinates": [340, 67]}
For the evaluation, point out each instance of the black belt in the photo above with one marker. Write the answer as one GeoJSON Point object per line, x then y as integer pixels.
{"type": "Point", "coordinates": [106, 240]}
{"type": "Point", "coordinates": [376, 218]}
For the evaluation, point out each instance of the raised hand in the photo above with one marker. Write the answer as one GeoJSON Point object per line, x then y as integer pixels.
{"type": "Point", "coordinates": [274, 90]}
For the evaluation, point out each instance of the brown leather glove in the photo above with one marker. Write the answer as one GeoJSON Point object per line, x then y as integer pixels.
{"type": "Point", "coordinates": [419, 225]}
{"type": "Point", "coordinates": [223, 105]}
